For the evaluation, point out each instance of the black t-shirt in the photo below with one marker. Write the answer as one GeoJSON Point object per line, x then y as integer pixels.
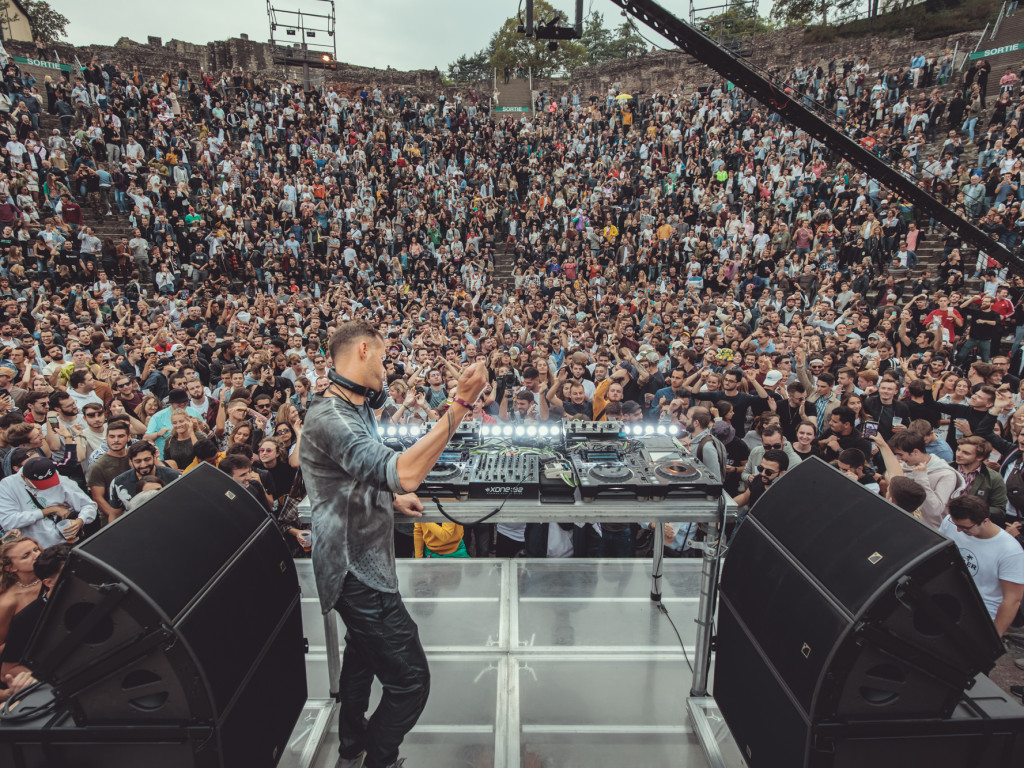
{"type": "Point", "coordinates": [20, 630]}
{"type": "Point", "coordinates": [740, 402]}
{"type": "Point", "coordinates": [756, 488]}
{"type": "Point", "coordinates": [985, 325]}
{"type": "Point", "coordinates": [586, 409]}
{"type": "Point", "coordinates": [736, 453]}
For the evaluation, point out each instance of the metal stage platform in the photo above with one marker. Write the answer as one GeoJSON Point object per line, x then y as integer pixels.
{"type": "Point", "coordinates": [539, 664]}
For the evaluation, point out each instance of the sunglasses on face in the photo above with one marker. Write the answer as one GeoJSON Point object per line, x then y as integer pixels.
{"type": "Point", "coordinates": [762, 470]}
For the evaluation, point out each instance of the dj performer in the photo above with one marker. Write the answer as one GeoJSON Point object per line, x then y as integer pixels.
{"type": "Point", "coordinates": [355, 485]}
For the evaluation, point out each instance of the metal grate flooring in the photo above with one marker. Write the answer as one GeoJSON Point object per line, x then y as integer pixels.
{"type": "Point", "coordinates": [536, 663]}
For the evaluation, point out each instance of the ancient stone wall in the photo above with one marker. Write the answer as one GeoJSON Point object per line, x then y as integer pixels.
{"type": "Point", "coordinates": [155, 57]}
{"type": "Point", "coordinates": [653, 72]}
{"type": "Point", "coordinates": [662, 71]}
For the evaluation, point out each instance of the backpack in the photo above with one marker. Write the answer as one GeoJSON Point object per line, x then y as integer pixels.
{"type": "Point", "coordinates": [1015, 486]}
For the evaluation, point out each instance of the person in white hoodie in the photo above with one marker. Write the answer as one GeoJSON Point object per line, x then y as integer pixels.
{"type": "Point", "coordinates": [938, 479]}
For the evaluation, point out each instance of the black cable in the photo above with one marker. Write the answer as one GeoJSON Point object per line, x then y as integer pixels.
{"type": "Point", "coordinates": [26, 713]}
{"type": "Point", "coordinates": [488, 516]}
{"type": "Point", "coordinates": [640, 34]}
{"type": "Point", "coordinates": [664, 610]}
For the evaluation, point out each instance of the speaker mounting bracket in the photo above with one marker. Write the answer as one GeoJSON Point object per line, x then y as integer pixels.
{"type": "Point", "coordinates": [119, 658]}
{"type": "Point", "coordinates": [112, 595]}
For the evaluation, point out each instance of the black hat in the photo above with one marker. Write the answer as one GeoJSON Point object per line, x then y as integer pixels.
{"type": "Point", "coordinates": [177, 396]}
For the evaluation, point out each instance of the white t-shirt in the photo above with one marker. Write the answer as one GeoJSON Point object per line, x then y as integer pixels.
{"type": "Point", "coordinates": [990, 561]}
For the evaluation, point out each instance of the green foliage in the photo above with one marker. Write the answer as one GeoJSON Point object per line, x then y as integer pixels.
{"type": "Point", "coordinates": [47, 24]}
{"type": "Point", "coordinates": [599, 43]}
{"type": "Point", "coordinates": [806, 11]}
{"type": "Point", "coordinates": [735, 24]}
{"type": "Point", "coordinates": [473, 67]}
{"type": "Point", "coordinates": [627, 41]}
{"type": "Point", "coordinates": [511, 47]}
{"type": "Point", "coordinates": [597, 38]}
{"type": "Point", "coordinates": [927, 20]}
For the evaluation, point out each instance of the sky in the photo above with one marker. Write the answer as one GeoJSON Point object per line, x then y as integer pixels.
{"type": "Point", "coordinates": [405, 34]}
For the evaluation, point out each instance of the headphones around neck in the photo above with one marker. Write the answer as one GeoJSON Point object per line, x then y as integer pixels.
{"type": "Point", "coordinates": [376, 399]}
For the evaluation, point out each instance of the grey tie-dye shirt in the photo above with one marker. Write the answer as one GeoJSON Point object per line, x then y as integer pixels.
{"type": "Point", "coordinates": [351, 478]}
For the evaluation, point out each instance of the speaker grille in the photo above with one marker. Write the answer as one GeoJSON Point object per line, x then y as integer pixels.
{"type": "Point", "coordinates": [838, 607]}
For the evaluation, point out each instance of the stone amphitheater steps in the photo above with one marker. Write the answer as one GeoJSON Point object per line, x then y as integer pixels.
{"type": "Point", "coordinates": [513, 94]}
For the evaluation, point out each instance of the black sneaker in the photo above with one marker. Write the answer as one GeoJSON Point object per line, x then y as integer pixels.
{"type": "Point", "coordinates": [1018, 690]}
{"type": "Point", "coordinates": [351, 762]}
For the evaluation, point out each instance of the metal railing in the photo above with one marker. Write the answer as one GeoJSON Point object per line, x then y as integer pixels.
{"type": "Point", "coordinates": [533, 101]}
{"type": "Point", "coordinates": [968, 55]}
{"type": "Point", "coordinates": [999, 20]}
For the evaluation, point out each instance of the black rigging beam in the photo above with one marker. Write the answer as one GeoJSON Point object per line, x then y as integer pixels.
{"type": "Point", "coordinates": [709, 53]}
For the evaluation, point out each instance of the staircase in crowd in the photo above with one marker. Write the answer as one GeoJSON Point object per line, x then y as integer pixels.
{"type": "Point", "coordinates": [1011, 31]}
{"type": "Point", "coordinates": [504, 263]}
{"type": "Point", "coordinates": [94, 215]}
{"type": "Point", "coordinates": [514, 98]}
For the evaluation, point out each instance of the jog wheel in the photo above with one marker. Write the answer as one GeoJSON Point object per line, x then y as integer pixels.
{"type": "Point", "coordinates": [611, 473]}
{"type": "Point", "coordinates": [677, 471]}
{"type": "Point", "coordinates": [442, 472]}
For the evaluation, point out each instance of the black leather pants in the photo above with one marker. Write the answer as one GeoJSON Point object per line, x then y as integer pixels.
{"type": "Point", "coordinates": [381, 641]}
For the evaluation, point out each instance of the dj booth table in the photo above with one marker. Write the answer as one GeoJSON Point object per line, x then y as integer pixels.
{"type": "Point", "coordinates": [535, 660]}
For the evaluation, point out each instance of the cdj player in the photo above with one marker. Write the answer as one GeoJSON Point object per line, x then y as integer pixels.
{"type": "Point", "coordinates": [449, 478]}
{"type": "Point", "coordinates": [647, 467]}
{"type": "Point", "coordinates": [550, 462]}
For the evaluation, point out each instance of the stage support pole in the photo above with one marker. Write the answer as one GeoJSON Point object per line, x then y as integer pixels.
{"type": "Point", "coordinates": [333, 653]}
{"type": "Point", "coordinates": [659, 556]}
{"type": "Point", "coordinates": [706, 610]}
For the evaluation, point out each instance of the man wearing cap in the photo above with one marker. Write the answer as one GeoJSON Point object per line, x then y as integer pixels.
{"type": "Point", "coordinates": [36, 498]}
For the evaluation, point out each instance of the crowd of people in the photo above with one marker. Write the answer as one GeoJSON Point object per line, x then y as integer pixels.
{"type": "Point", "coordinates": [683, 258]}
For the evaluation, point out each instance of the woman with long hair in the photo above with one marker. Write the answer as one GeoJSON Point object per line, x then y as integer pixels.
{"type": "Point", "coordinates": [292, 421]}
{"type": "Point", "coordinates": [19, 584]}
{"type": "Point", "coordinates": [960, 394]}
{"type": "Point", "coordinates": [116, 408]}
{"type": "Point", "coordinates": [855, 404]}
{"type": "Point", "coordinates": [179, 447]}
{"type": "Point", "coordinates": [303, 393]}
{"type": "Point", "coordinates": [944, 385]}
{"type": "Point", "coordinates": [241, 435]}
{"type": "Point", "coordinates": [147, 408]}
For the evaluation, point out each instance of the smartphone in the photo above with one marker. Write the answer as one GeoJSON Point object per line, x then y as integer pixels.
{"type": "Point", "coordinates": [870, 429]}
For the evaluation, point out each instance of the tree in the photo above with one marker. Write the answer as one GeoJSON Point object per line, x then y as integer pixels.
{"type": "Point", "coordinates": [806, 11]}
{"type": "Point", "coordinates": [472, 68]}
{"type": "Point", "coordinates": [512, 47]}
{"type": "Point", "coordinates": [735, 24]}
{"type": "Point", "coordinates": [47, 24]}
{"type": "Point", "coordinates": [627, 41]}
{"type": "Point", "coordinates": [602, 44]}
{"type": "Point", "coordinates": [597, 38]}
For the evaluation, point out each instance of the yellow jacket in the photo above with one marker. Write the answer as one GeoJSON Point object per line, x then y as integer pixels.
{"type": "Point", "coordinates": [441, 538]}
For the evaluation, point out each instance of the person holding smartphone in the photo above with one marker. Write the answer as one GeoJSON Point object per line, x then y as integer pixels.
{"type": "Point", "coordinates": [890, 414]}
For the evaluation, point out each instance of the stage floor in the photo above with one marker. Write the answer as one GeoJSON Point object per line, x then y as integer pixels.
{"type": "Point", "coordinates": [535, 663]}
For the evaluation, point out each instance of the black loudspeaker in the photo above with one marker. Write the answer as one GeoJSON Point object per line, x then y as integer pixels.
{"type": "Point", "coordinates": [837, 607]}
{"type": "Point", "coordinates": [182, 613]}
